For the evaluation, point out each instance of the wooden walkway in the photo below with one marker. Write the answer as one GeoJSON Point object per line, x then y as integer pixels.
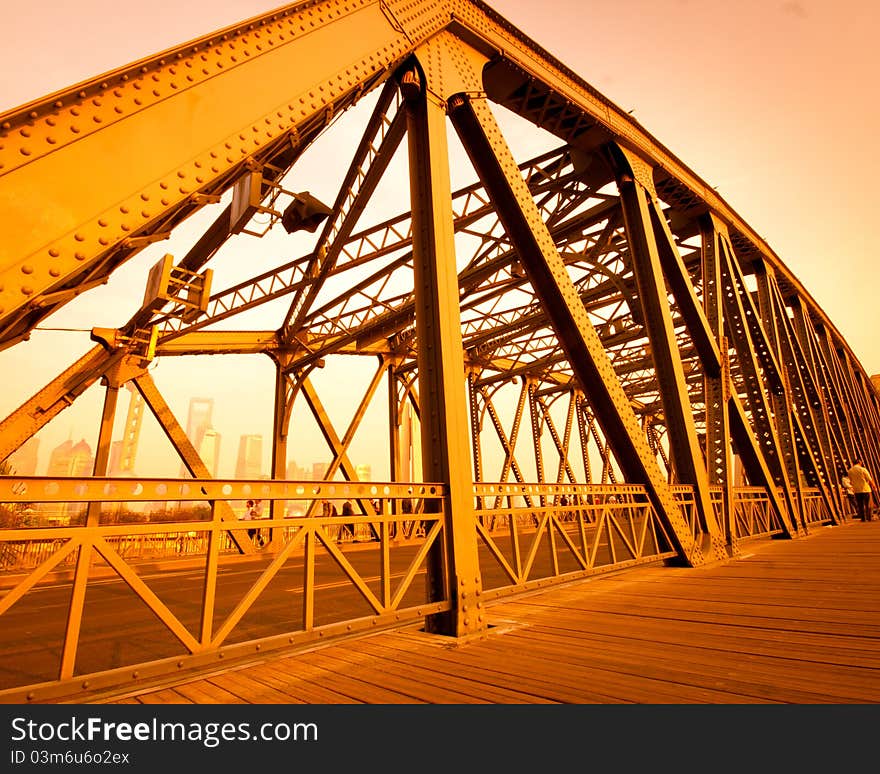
{"type": "Point", "coordinates": [793, 622]}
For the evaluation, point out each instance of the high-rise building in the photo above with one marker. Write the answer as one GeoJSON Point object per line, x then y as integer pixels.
{"type": "Point", "coordinates": [114, 462]}
{"type": "Point", "coordinates": [69, 459]}
{"type": "Point", "coordinates": [199, 418]}
{"type": "Point", "coordinates": [363, 472]}
{"type": "Point", "coordinates": [409, 463]}
{"type": "Point", "coordinates": [250, 457]}
{"type": "Point", "coordinates": [198, 422]}
{"type": "Point", "coordinates": [124, 452]}
{"type": "Point", "coordinates": [209, 450]}
{"type": "Point", "coordinates": [319, 470]}
{"type": "Point", "coordinates": [24, 459]}
{"type": "Point", "coordinates": [295, 473]}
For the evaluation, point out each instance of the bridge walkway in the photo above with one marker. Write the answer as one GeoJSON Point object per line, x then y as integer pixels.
{"type": "Point", "coordinates": [788, 621]}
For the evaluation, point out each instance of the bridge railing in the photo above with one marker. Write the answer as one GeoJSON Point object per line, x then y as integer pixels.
{"type": "Point", "coordinates": [816, 508]}
{"type": "Point", "coordinates": [106, 581]}
{"type": "Point", "coordinates": [534, 534]}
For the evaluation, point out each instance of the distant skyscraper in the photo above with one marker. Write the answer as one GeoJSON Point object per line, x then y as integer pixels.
{"type": "Point", "coordinates": [296, 473]}
{"type": "Point", "coordinates": [409, 465]}
{"type": "Point", "coordinates": [209, 450]}
{"type": "Point", "coordinates": [124, 452]}
{"type": "Point", "coordinates": [250, 457]}
{"type": "Point", "coordinates": [199, 418]}
{"type": "Point", "coordinates": [69, 459]}
{"type": "Point", "coordinates": [198, 422]}
{"type": "Point", "coordinates": [24, 459]}
{"type": "Point", "coordinates": [319, 470]}
{"type": "Point", "coordinates": [114, 464]}
{"type": "Point", "coordinates": [363, 472]}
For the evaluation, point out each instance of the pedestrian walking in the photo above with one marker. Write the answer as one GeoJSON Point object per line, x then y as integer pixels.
{"type": "Point", "coordinates": [253, 511]}
{"type": "Point", "coordinates": [348, 510]}
{"type": "Point", "coordinates": [849, 493]}
{"type": "Point", "coordinates": [863, 485]}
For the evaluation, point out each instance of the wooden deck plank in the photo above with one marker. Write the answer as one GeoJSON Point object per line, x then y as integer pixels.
{"type": "Point", "coordinates": [822, 647]}
{"type": "Point", "coordinates": [283, 675]}
{"type": "Point", "coordinates": [251, 690]}
{"type": "Point", "coordinates": [687, 677]}
{"type": "Point", "coordinates": [422, 665]}
{"type": "Point", "coordinates": [164, 696]}
{"type": "Point", "coordinates": [776, 607]}
{"type": "Point", "coordinates": [567, 675]}
{"type": "Point", "coordinates": [567, 680]}
{"type": "Point", "coordinates": [725, 664]}
{"type": "Point", "coordinates": [382, 672]}
{"type": "Point", "coordinates": [204, 692]}
{"type": "Point", "coordinates": [364, 691]}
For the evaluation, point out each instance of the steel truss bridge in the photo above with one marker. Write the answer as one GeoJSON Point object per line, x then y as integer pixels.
{"type": "Point", "coordinates": [605, 365]}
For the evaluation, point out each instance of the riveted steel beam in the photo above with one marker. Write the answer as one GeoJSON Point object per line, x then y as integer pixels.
{"type": "Point", "coordinates": [535, 425]}
{"type": "Point", "coordinates": [444, 411]}
{"type": "Point", "coordinates": [839, 398]}
{"type": "Point", "coordinates": [638, 198]}
{"type": "Point", "coordinates": [56, 396]}
{"type": "Point", "coordinates": [200, 101]}
{"type": "Point", "coordinates": [825, 407]}
{"type": "Point", "coordinates": [508, 444]}
{"type": "Point", "coordinates": [491, 158]}
{"type": "Point", "coordinates": [812, 448]}
{"type": "Point", "coordinates": [717, 387]}
{"type": "Point", "coordinates": [784, 417]}
{"type": "Point", "coordinates": [822, 373]}
{"type": "Point", "coordinates": [756, 437]}
{"type": "Point", "coordinates": [475, 426]}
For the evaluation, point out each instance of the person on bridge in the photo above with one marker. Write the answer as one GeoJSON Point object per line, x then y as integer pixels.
{"type": "Point", "coordinates": [348, 510]}
{"type": "Point", "coordinates": [863, 485]}
{"type": "Point", "coordinates": [848, 492]}
{"type": "Point", "coordinates": [253, 510]}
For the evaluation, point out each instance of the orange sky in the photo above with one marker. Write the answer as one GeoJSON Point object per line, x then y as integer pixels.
{"type": "Point", "coordinates": [773, 102]}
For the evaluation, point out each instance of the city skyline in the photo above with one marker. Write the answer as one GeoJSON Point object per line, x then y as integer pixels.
{"type": "Point", "coordinates": [252, 461]}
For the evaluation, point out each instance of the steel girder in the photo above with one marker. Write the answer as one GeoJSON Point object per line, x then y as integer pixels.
{"type": "Point", "coordinates": [547, 274]}
{"type": "Point", "coordinates": [562, 266]}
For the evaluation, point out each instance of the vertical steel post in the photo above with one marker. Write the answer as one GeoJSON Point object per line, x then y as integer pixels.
{"type": "Point", "coordinates": [583, 434]}
{"type": "Point", "coordinates": [474, 410]}
{"type": "Point", "coordinates": [635, 183]}
{"type": "Point", "coordinates": [84, 558]}
{"type": "Point", "coordinates": [442, 385]}
{"type": "Point", "coordinates": [395, 465]}
{"type": "Point", "coordinates": [280, 429]}
{"type": "Point", "coordinates": [717, 388]}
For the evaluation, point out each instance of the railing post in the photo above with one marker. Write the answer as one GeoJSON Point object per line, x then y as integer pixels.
{"type": "Point", "coordinates": [84, 559]}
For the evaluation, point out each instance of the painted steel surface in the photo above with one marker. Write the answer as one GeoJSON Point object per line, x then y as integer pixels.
{"type": "Point", "coordinates": [591, 323]}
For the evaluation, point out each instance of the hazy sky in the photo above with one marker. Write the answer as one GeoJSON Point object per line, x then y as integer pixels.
{"type": "Point", "coordinates": [773, 102]}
